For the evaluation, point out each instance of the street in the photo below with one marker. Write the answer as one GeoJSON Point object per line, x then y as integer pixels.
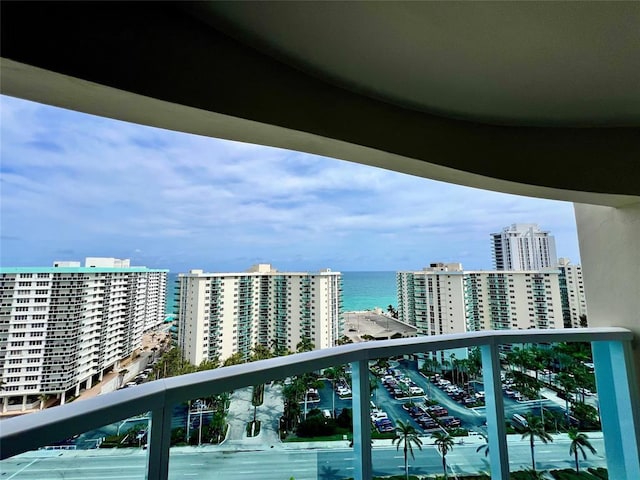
{"type": "Point", "coordinates": [280, 462]}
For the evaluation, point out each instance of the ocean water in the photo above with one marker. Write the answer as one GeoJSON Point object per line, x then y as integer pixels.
{"type": "Point", "coordinates": [367, 290]}
{"type": "Point", "coordinates": [361, 290]}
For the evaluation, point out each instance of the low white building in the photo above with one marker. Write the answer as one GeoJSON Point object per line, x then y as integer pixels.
{"type": "Point", "coordinates": [63, 327]}
{"type": "Point", "coordinates": [221, 314]}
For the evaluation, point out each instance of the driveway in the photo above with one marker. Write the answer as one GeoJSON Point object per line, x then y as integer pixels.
{"type": "Point", "coordinates": [241, 413]}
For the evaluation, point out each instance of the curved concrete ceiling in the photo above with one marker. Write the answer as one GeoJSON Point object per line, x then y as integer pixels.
{"type": "Point", "coordinates": [186, 66]}
{"type": "Point", "coordinates": [525, 63]}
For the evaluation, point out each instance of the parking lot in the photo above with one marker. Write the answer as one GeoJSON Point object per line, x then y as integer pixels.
{"type": "Point", "coordinates": [405, 394]}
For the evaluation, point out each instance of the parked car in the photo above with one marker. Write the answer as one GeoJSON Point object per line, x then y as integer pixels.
{"type": "Point", "coordinates": [451, 422]}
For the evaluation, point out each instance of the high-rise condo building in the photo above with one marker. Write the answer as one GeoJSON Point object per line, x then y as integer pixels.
{"type": "Point", "coordinates": [523, 246]}
{"type": "Point", "coordinates": [519, 300]}
{"type": "Point", "coordinates": [221, 314]}
{"type": "Point", "coordinates": [64, 326]}
{"type": "Point", "coordinates": [574, 303]}
{"type": "Point", "coordinates": [444, 298]}
{"type": "Point", "coordinates": [433, 299]}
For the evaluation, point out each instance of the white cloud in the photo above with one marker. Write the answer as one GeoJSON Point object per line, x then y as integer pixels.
{"type": "Point", "coordinates": [77, 182]}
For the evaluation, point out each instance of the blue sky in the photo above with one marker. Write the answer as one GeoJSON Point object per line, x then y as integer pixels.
{"type": "Point", "coordinates": [75, 185]}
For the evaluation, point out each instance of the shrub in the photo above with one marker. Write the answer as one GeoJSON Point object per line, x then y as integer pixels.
{"type": "Point", "coordinates": [316, 426]}
{"type": "Point", "coordinates": [345, 419]}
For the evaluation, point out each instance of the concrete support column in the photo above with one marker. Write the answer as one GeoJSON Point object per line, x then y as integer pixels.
{"type": "Point", "coordinates": [5, 404]}
{"type": "Point", "coordinates": [77, 389]}
{"type": "Point", "coordinates": [88, 384]}
{"type": "Point", "coordinates": [24, 403]}
{"type": "Point", "coordinates": [63, 397]}
{"type": "Point", "coordinates": [101, 375]}
{"type": "Point", "coordinates": [610, 254]}
{"type": "Point", "coordinates": [361, 420]}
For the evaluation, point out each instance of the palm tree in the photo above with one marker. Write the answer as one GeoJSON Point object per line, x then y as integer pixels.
{"type": "Point", "coordinates": [408, 437]}
{"type": "Point", "coordinates": [444, 444]}
{"type": "Point", "coordinates": [43, 399]}
{"type": "Point", "coordinates": [533, 430]}
{"type": "Point", "coordinates": [121, 375]}
{"type": "Point", "coordinates": [483, 448]}
{"type": "Point", "coordinates": [235, 359]}
{"type": "Point", "coordinates": [568, 384]}
{"type": "Point", "coordinates": [579, 441]}
{"type": "Point", "coordinates": [305, 345]}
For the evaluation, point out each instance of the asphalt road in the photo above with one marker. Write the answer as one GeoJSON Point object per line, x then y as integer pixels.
{"type": "Point", "coordinates": [276, 464]}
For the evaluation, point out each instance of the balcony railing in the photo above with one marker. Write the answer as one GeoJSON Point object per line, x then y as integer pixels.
{"type": "Point", "coordinates": [611, 348]}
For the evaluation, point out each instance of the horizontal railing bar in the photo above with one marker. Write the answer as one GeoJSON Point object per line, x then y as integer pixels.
{"type": "Point", "coordinates": [33, 430]}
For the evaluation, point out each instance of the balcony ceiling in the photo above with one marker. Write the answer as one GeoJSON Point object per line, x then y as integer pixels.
{"type": "Point", "coordinates": [534, 98]}
{"type": "Point", "coordinates": [512, 63]}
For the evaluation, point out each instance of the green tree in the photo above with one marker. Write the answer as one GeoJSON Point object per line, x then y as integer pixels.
{"type": "Point", "coordinates": [583, 321]}
{"type": "Point", "coordinates": [260, 352]}
{"type": "Point", "coordinates": [208, 365]}
{"type": "Point", "coordinates": [534, 474]}
{"type": "Point", "coordinates": [533, 430]}
{"type": "Point", "coordinates": [408, 437]}
{"type": "Point", "coordinates": [43, 399]}
{"type": "Point", "coordinates": [579, 442]}
{"type": "Point", "coordinates": [235, 359]}
{"type": "Point", "coordinates": [305, 345]}
{"type": "Point", "coordinates": [444, 443]}
{"type": "Point", "coordinates": [430, 365]}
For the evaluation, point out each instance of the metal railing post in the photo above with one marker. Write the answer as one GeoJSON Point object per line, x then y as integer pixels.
{"type": "Point", "coordinates": [619, 405]}
{"type": "Point", "coordinates": [159, 444]}
{"type": "Point", "coordinates": [496, 430]}
{"type": "Point", "coordinates": [361, 420]}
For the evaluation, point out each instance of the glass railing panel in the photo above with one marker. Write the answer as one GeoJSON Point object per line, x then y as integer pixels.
{"type": "Point", "coordinates": [299, 426]}
{"type": "Point", "coordinates": [110, 451]}
{"type": "Point", "coordinates": [414, 395]}
{"type": "Point", "coordinates": [549, 398]}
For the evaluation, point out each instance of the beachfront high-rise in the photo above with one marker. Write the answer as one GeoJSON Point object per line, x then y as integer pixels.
{"type": "Point", "coordinates": [444, 298]}
{"type": "Point", "coordinates": [63, 327]}
{"type": "Point", "coordinates": [221, 314]}
{"type": "Point", "coordinates": [574, 302]}
{"type": "Point", "coordinates": [523, 246]}
{"type": "Point", "coordinates": [432, 299]}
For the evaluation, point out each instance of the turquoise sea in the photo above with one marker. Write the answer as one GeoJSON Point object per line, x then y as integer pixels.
{"type": "Point", "coordinates": [361, 290]}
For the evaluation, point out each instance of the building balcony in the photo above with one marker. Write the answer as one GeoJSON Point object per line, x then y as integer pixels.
{"type": "Point", "coordinates": [156, 403]}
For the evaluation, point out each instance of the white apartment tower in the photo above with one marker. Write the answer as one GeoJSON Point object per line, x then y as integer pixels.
{"type": "Point", "coordinates": [446, 299]}
{"type": "Point", "coordinates": [66, 325]}
{"type": "Point", "coordinates": [574, 303]}
{"type": "Point", "coordinates": [221, 314]}
{"type": "Point", "coordinates": [523, 246]}
{"type": "Point", "coordinates": [518, 300]}
{"type": "Point", "coordinates": [432, 299]}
